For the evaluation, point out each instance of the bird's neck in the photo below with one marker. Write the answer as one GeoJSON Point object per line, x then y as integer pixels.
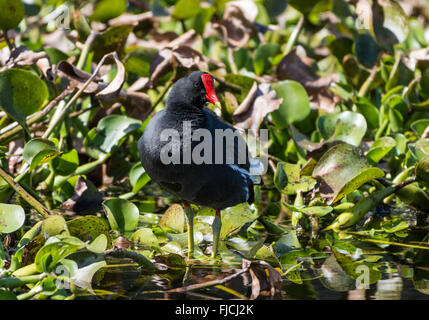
{"type": "Point", "coordinates": [184, 110]}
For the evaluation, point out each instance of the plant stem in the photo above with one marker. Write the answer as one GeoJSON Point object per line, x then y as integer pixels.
{"type": "Point", "coordinates": [84, 53]}
{"type": "Point", "coordinates": [9, 43]}
{"type": "Point", "coordinates": [56, 120]}
{"type": "Point", "coordinates": [294, 36]}
{"type": "Point", "coordinates": [16, 282]}
{"type": "Point", "coordinates": [137, 257]}
{"type": "Point", "coordinates": [367, 84]}
{"type": "Point", "coordinates": [190, 221]}
{"type": "Point", "coordinates": [25, 195]}
{"type": "Point", "coordinates": [163, 91]}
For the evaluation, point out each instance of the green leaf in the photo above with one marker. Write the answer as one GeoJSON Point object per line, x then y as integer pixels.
{"type": "Point", "coordinates": [262, 56]}
{"type": "Point", "coordinates": [122, 214]}
{"type": "Point", "coordinates": [380, 148]}
{"type": "Point", "coordinates": [318, 211]}
{"type": "Point", "coordinates": [99, 245]}
{"type": "Point", "coordinates": [243, 82]}
{"type": "Point", "coordinates": [11, 13]}
{"type": "Point", "coordinates": [66, 163]}
{"type": "Point", "coordinates": [347, 126]}
{"type": "Point", "coordinates": [304, 6]}
{"type": "Point", "coordinates": [361, 178]}
{"type": "Point", "coordinates": [109, 134]}
{"type": "Point", "coordinates": [288, 180]}
{"type": "Point", "coordinates": [54, 225]}
{"type": "Point", "coordinates": [173, 219]}
{"type": "Point", "coordinates": [354, 268]}
{"type": "Point", "coordinates": [420, 149]}
{"type": "Point", "coordinates": [138, 60]}
{"type": "Point", "coordinates": [422, 171]}
{"type": "Point", "coordinates": [21, 93]}
{"type": "Point", "coordinates": [39, 151]}
{"type": "Point", "coordinates": [295, 105]}
{"type": "Point", "coordinates": [12, 217]}
{"type": "Point", "coordinates": [338, 167]}
{"type": "Point", "coordinates": [113, 39]}
{"type": "Point", "coordinates": [185, 9]}
{"type": "Point", "coordinates": [369, 111]}
{"type": "Point", "coordinates": [367, 50]}
{"type": "Point", "coordinates": [419, 126]}
{"type": "Point", "coordinates": [138, 177]}
{"type": "Point", "coordinates": [6, 294]}
{"type": "Point", "coordinates": [88, 228]}
{"type": "Point", "coordinates": [235, 218]}
{"type": "Point", "coordinates": [108, 9]}
{"type": "Point", "coordinates": [51, 254]}
{"type": "Point", "coordinates": [145, 239]}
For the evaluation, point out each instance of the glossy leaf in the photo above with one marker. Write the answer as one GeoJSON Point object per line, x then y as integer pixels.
{"type": "Point", "coordinates": [295, 105]}
{"type": "Point", "coordinates": [21, 93]}
{"type": "Point", "coordinates": [12, 217]}
{"type": "Point", "coordinates": [11, 14]}
{"type": "Point", "coordinates": [122, 214]}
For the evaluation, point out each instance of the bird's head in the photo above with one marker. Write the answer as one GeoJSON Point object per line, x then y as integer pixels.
{"type": "Point", "coordinates": [197, 88]}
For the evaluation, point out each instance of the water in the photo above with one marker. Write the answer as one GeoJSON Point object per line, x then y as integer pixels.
{"type": "Point", "coordinates": [127, 282]}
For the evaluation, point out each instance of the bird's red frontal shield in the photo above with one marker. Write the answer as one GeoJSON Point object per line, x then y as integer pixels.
{"type": "Point", "coordinates": [209, 85]}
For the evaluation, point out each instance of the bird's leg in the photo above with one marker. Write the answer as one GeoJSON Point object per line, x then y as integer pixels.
{"type": "Point", "coordinates": [190, 221]}
{"type": "Point", "coordinates": [216, 226]}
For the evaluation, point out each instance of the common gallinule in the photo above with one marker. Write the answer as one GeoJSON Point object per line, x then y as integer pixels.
{"type": "Point", "coordinates": [222, 179]}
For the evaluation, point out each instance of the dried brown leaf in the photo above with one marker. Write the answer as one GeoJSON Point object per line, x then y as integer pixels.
{"type": "Point", "coordinates": [266, 281]}
{"type": "Point", "coordinates": [260, 101]}
{"type": "Point", "coordinates": [292, 67]}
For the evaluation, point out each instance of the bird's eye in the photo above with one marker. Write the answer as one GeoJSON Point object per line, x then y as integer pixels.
{"type": "Point", "coordinates": [196, 85]}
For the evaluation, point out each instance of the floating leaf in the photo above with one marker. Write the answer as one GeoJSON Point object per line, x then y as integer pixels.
{"type": "Point", "coordinates": [235, 218]}
{"type": "Point", "coordinates": [54, 225]}
{"type": "Point", "coordinates": [145, 239]}
{"type": "Point", "coordinates": [89, 228]}
{"type": "Point", "coordinates": [173, 219]}
{"type": "Point", "coordinates": [98, 245]}
{"type": "Point", "coordinates": [51, 254]}
{"type": "Point", "coordinates": [122, 214]}
{"type": "Point", "coordinates": [289, 181]}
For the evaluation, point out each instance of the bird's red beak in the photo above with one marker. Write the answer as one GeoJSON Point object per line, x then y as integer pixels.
{"type": "Point", "coordinates": [209, 86]}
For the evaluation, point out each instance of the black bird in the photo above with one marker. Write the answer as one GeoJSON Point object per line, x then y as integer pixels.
{"type": "Point", "coordinates": [222, 180]}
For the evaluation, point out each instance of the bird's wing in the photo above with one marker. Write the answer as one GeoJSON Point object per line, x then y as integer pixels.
{"type": "Point", "coordinates": [214, 122]}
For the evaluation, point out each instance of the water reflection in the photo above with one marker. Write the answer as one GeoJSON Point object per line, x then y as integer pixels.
{"type": "Point", "coordinates": [326, 282]}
